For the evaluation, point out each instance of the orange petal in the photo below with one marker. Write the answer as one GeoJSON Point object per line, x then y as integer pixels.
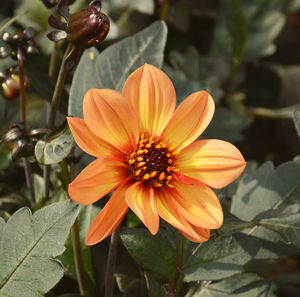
{"type": "Point", "coordinates": [167, 211]}
{"type": "Point", "coordinates": [202, 233]}
{"type": "Point", "coordinates": [109, 116]}
{"type": "Point", "coordinates": [198, 204]}
{"type": "Point", "coordinates": [97, 179]}
{"type": "Point", "coordinates": [141, 200]}
{"type": "Point", "coordinates": [189, 121]}
{"type": "Point", "coordinates": [89, 142]}
{"type": "Point", "coordinates": [217, 163]}
{"type": "Point", "coordinates": [153, 97]}
{"type": "Point", "coordinates": [109, 217]}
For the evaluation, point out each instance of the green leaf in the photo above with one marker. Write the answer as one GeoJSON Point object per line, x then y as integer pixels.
{"type": "Point", "coordinates": [153, 253]}
{"type": "Point", "coordinates": [28, 247]}
{"type": "Point", "coordinates": [272, 246]}
{"type": "Point", "coordinates": [86, 216]}
{"type": "Point", "coordinates": [56, 147]}
{"type": "Point", "coordinates": [110, 69]}
{"type": "Point", "coordinates": [270, 199]}
{"type": "Point", "coordinates": [288, 227]}
{"type": "Point", "coordinates": [297, 121]}
{"type": "Point", "coordinates": [220, 257]}
{"type": "Point", "coordinates": [241, 285]}
{"type": "Point", "coordinates": [268, 189]}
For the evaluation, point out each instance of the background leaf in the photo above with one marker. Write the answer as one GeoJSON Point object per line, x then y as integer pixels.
{"type": "Point", "coordinates": [153, 253]}
{"type": "Point", "coordinates": [220, 257]}
{"type": "Point", "coordinates": [28, 245]}
{"type": "Point", "coordinates": [241, 285]}
{"type": "Point", "coordinates": [55, 148]}
{"type": "Point", "coordinates": [110, 69]}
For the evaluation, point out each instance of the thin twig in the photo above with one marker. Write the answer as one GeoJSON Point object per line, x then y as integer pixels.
{"type": "Point", "coordinates": [52, 111]}
{"type": "Point", "coordinates": [27, 169]}
{"type": "Point", "coordinates": [111, 262]}
{"type": "Point", "coordinates": [78, 259]}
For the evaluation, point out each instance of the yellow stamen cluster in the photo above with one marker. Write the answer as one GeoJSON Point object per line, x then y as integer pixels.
{"type": "Point", "coordinates": [153, 162]}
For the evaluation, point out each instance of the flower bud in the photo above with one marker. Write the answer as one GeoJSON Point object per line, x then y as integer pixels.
{"type": "Point", "coordinates": [87, 27]}
{"type": "Point", "coordinates": [10, 86]}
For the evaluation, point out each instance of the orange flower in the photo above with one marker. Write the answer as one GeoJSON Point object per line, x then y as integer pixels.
{"type": "Point", "coordinates": [148, 153]}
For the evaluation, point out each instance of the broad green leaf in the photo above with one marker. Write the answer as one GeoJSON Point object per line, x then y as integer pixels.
{"type": "Point", "coordinates": [240, 285]}
{"type": "Point", "coordinates": [153, 253]}
{"type": "Point", "coordinates": [55, 148]}
{"type": "Point", "coordinates": [110, 69]}
{"type": "Point", "coordinates": [29, 245]}
{"type": "Point", "coordinates": [220, 257]}
{"type": "Point", "coordinates": [287, 226]}
{"type": "Point", "coordinates": [272, 246]}
{"type": "Point", "coordinates": [85, 218]}
{"type": "Point", "coordinates": [297, 121]}
{"type": "Point", "coordinates": [269, 199]}
{"type": "Point", "coordinates": [268, 189]}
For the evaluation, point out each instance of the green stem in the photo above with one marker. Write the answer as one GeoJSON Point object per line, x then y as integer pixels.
{"type": "Point", "coordinates": [58, 89]}
{"type": "Point", "coordinates": [285, 113]}
{"type": "Point", "coordinates": [27, 169]}
{"type": "Point", "coordinates": [179, 260]}
{"type": "Point", "coordinates": [165, 10]}
{"type": "Point", "coordinates": [111, 262]}
{"type": "Point", "coordinates": [80, 271]}
{"type": "Point", "coordinates": [53, 106]}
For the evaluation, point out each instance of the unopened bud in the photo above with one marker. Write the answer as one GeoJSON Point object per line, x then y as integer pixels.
{"type": "Point", "coordinates": [10, 86]}
{"type": "Point", "coordinates": [87, 27]}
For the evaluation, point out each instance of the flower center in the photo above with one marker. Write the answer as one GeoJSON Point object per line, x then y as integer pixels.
{"type": "Point", "coordinates": [153, 162]}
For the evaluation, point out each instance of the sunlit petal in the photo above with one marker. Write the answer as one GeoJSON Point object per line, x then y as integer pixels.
{"type": "Point", "coordinates": [168, 211]}
{"type": "Point", "coordinates": [141, 200]}
{"type": "Point", "coordinates": [89, 142]}
{"type": "Point", "coordinates": [97, 179]}
{"type": "Point", "coordinates": [109, 116]}
{"type": "Point", "coordinates": [189, 121]}
{"type": "Point", "coordinates": [109, 217]}
{"type": "Point", "coordinates": [153, 97]}
{"type": "Point", "coordinates": [215, 162]}
{"type": "Point", "coordinates": [198, 204]}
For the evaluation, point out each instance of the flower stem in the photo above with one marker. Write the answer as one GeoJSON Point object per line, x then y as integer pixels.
{"type": "Point", "coordinates": [80, 271]}
{"type": "Point", "coordinates": [53, 106]}
{"type": "Point", "coordinates": [165, 10]}
{"type": "Point", "coordinates": [111, 262]}
{"type": "Point", "coordinates": [58, 89]}
{"type": "Point", "coordinates": [27, 169]}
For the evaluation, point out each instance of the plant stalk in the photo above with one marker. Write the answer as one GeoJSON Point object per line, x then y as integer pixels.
{"type": "Point", "coordinates": [58, 89]}
{"type": "Point", "coordinates": [111, 262]}
{"type": "Point", "coordinates": [54, 104]}
{"type": "Point", "coordinates": [27, 168]}
{"type": "Point", "coordinates": [80, 271]}
{"type": "Point", "coordinates": [165, 11]}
